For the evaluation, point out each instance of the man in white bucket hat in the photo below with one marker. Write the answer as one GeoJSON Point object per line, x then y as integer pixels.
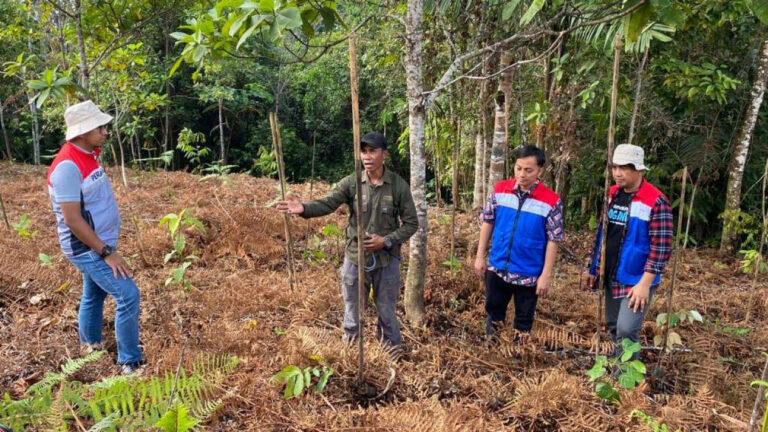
{"type": "Point", "coordinates": [88, 228]}
{"type": "Point", "coordinates": [638, 244]}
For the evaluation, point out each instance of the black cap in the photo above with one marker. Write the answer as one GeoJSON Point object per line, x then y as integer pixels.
{"type": "Point", "coordinates": [374, 140]}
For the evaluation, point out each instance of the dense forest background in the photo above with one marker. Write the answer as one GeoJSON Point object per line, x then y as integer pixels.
{"type": "Point", "coordinates": [191, 84]}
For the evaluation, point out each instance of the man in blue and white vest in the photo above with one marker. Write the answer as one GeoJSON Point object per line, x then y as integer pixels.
{"type": "Point", "coordinates": [525, 219]}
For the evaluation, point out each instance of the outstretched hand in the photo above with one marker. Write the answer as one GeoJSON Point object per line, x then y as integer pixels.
{"type": "Point", "coordinates": [291, 205]}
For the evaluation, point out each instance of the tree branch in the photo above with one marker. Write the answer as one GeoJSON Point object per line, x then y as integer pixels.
{"type": "Point", "coordinates": [446, 79]}
{"type": "Point", "coordinates": [61, 9]}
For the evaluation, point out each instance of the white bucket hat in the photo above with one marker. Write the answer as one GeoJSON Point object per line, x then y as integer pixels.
{"type": "Point", "coordinates": [83, 118]}
{"type": "Point", "coordinates": [628, 154]}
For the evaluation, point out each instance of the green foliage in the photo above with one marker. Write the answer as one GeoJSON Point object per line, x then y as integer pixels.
{"type": "Point", "coordinates": [189, 143]}
{"type": "Point", "coordinates": [649, 421]}
{"type": "Point", "coordinates": [296, 380]}
{"type": "Point", "coordinates": [218, 171]}
{"type": "Point", "coordinates": [177, 419]}
{"type": "Point", "coordinates": [178, 276]}
{"type": "Point", "coordinates": [51, 84]}
{"type": "Point", "coordinates": [453, 263]}
{"type": "Point", "coordinates": [175, 221]}
{"type": "Point", "coordinates": [708, 82]}
{"type": "Point", "coordinates": [673, 320]}
{"type": "Point", "coordinates": [22, 227]}
{"type": "Point", "coordinates": [121, 402]}
{"type": "Point", "coordinates": [45, 260]}
{"type": "Point", "coordinates": [752, 261]}
{"type": "Point", "coordinates": [744, 225]}
{"type": "Point", "coordinates": [265, 163]}
{"type": "Point", "coordinates": [630, 372]}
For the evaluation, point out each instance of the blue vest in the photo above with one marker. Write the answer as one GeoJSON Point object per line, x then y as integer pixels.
{"type": "Point", "coordinates": [519, 241]}
{"type": "Point", "coordinates": [637, 241]}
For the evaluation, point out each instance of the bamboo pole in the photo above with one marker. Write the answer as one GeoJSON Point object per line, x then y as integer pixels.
{"type": "Point", "coordinates": [312, 176]}
{"type": "Point", "coordinates": [690, 208]}
{"type": "Point", "coordinates": [758, 401]}
{"type": "Point", "coordinates": [759, 258]}
{"type": "Point", "coordinates": [675, 262]}
{"type": "Point", "coordinates": [359, 210]}
{"type": "Point", "coordinates": [278, 144]}
{"type": "Point", "coordinates": [604, 222]}
{"type": "Point", "coordinates": [455, 187]}
{"type": "Point", "coordinates": [5, 216]}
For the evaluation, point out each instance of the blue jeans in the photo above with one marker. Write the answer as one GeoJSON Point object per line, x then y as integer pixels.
{"type": "Point", "coordinates": [98, 281]}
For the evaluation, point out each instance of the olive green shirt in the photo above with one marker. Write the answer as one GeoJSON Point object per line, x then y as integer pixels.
{"type": "Point", "coordinates": [382, 206]}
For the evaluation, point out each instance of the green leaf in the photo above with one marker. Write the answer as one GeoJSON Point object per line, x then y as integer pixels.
{"type": "Point", "coordinates": [760, 9]}
{"type": "Point", "coordinates": [236, 24]}
{"type": "Point", "coordinates": [657, 340]}
{"type": "Point", "coordinates": [323, 381]}
{"type": "Point", "coordinates": [509, 9]}
{"type": "Point", "coordinates": [673, 320]}
{"type": "Point", "coordinates": [289, 18]}
{"type": "Point", "coordinates": [533, 9]}
{"type": "Point", "coordinates": [638, 366]}
{"type": "Point", "coordinates": [661, 319]}
{"type": "Point", "coordinates": [637, 22]}
{"type": "Point", "coordinates": [667, 13]}
{"type": "Point", "coordinates": [45, 259]}
{"type": "Point", "coordinates": [266, 6]}
{"type": "Point", "coordinates": [627, 381]}
{"type": "Point", "coordinates": [177, 420]}
{"type": "Point", "coordinates": [299, 385]}
{"type": "Point", "coordinates": [245, 36]}
{"type": "Point", "coordinates": [598, 369]}
{"type": "Point", "coordinates": [607, 392]}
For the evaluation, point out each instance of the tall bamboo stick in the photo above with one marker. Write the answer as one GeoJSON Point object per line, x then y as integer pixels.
{"type": "Point", "coordinates": [278, 144]}
{"type": "Point", "coordinates": [759, 258]}
{"type": "Point", "coordinates": [675, 262]}
{"type": "Point", "coordinates": [5, 216]}
{"type": "Point", "coordinates": [359, 212]}
{"type": "Point", "coordinates": [609, 157]}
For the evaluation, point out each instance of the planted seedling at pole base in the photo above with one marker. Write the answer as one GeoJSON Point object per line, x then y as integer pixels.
{"type": "Point", "coordinates": [630, 372]}
{"type": "Point", "coordinates": [296, 379]}
{"type": "Point", "coordinates": [673, 320]}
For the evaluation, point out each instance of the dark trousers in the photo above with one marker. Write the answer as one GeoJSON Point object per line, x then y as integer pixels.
{"type": "Point", "coordinates": [497, 296]}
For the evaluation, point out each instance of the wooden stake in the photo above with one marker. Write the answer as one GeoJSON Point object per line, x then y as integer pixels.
{"type": "Point", "coordinates": [278, 145]}
{"type": "Point", "coordinates": [759, 258]}
{"type": "Point", "coordinates": [5, 216]}
{"type": "Point", "coordinates": [312, 176]}
{"type": "Point", "coordinates": [455, 185]}
{"type": "Point", "coordinates": [604, 220]}
{"type": "Point", "coordinates": [359, 211]}
{"type": "Point", "coordinates": [758, 400]}
{"type": "Point", "coordinates": [675, 262]}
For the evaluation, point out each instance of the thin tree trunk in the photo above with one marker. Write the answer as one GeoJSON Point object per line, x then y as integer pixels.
{"type": "Point", "coordinates": [417, 260]}
{"type": "Point", "coordinates": [729, 240]}
{"type": "Point", "coordinates": [521, 102]}
{"type": "Point", "coordinates": [675, 262]}
{"type": "Point", "coordinates": [312, 175]}
{"type": "Point", "coordinates": [119, 139]}
{"type": "Point", "coordinates": [609, 156]}
{"type": "Point", "coordinates": [761, 243]}
{"type": "Point", "coordinates": [498, 149]}
{"type": "Point", "coordinates": [5, 134]}
{"type": "Point", "coordinates": [221, 132]}
{"type": "Point", "coordinates": [84, 75]}
{"type": "Point", "coordinates": [636, 106]}
{"type": "Point", "coordinates": [483, 104]}
{"type": "Point", "coordinates": [455, 184]}
{"type": "Point", "coordinates": [690, 207]}
{"type": "Point", "coordinates": [436, 160]}
{"type": "Point", "coordinates": [477, 197]}
{"type": "Point", "coordinates": [5, 216]}
{"type": "Point", "coordinates": [35, 132]}
{"type": "Point", "coordinates": [758, 401]}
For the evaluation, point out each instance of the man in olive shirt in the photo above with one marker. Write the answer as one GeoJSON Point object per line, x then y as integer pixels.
{"type": "Point", "coordinates": [386, 197]}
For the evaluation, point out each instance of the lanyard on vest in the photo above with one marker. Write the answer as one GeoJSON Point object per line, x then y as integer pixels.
{"type": "Point", "coordinates": [521, 201]}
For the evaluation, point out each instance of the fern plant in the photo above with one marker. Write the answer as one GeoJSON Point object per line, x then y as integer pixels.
{"type": "Point", "coordinates": [121, 402]}
{"type": "Point", "coordinates": [649, 421]}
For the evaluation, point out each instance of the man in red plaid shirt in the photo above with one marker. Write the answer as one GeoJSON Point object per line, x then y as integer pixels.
{"type": "Point", "coordinates": [638, 244]}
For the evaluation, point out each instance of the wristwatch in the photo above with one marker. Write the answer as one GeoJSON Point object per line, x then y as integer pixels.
{"type": "Point", "coordinates": [388, 242]}
{"type": "Point", "coordinates": [106, 251]}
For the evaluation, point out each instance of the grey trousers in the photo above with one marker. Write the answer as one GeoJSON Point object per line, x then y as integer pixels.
{"type": "Point", "coordinates": [386, 289]}
{"type": "Point", "coordinates": [622, 321]}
